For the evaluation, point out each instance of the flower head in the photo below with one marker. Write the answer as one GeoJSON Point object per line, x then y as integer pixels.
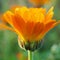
{"type": "Point", "coordinates": [30, 24]}
{"type": "Point", "coordinates": [39, 2]}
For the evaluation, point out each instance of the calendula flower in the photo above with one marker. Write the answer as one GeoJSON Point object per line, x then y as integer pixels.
{"type": "Point", "coordinates": [39, 2]}
{"type": "Point", "coordinates": [30, 24]}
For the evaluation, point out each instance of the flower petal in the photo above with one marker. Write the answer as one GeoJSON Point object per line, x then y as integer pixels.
{"type": "Point", "coordinates": [7, 17]}
{"type": "Point", "coordinates": [3, 26]}
{"type": "Point", "coordinates": [47, 27]}
{"type": "Point", "coordinates": [38, 29]}
{"type": "Point", "coordinates": [49, 15]}
{"type": "Point", "coordinates": [36, 14]}
{"type": "Point", "coordinates": [29, 29]}
{"type": "Point", "coordinates": [39, 2]}
{"type": "Point", "coordinates": [50, 25]}
{"type": "Point", "coordinates": [19, 23]}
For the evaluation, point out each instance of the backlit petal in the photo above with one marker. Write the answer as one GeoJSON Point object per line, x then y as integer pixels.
{"type": "Point", "coordinates": [19, 23]}
{"type": "Point", "coordinates": [37, 29]}
{"type": "Point", "coordinates": [5, 27]}
{"type": "Point", "coordinates": [49, 15]}
{"type": "Point", "coordinates": [29, 29]}
{"type": "Point", "coordinates": [7, 17]}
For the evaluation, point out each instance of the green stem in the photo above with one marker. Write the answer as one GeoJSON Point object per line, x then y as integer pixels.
{"type": "Point", "coordinates": [30, 55]}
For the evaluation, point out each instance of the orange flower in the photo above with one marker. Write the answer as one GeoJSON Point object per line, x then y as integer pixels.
{"type": "Point", "coordinates": [31, 24]}
{"type": "Point", "coordinates": [39, 2]}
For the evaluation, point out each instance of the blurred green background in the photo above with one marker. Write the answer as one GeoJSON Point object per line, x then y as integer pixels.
{"type": "Point", "coordinates": [9, 48]}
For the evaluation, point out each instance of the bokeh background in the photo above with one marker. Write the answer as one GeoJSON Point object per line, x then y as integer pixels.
{"type": "Point", "coordinates": [9, 48]}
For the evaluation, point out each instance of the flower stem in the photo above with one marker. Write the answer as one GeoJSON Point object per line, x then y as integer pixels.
{"type": "Point", "coordinates": [30, 55]}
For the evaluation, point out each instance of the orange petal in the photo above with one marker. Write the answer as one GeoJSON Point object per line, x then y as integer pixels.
{"type": "Point", "coordinates": [29, 28]}
{"type": "Point", "coordinates": [23, 12]}
{"type": "Point", "coordinates": [50, 25]}
{"type": "Point", "coordinates": [3, 26]}
{"type": "Point", "coordinates": [47, 27]}
{"type": "Point", "coordinates": [36, 16]}
{"type": "Point", "coordinates": [49, 15]}
{"type": "Point", "coordinates": [19, 23]}
{"type": "Point", "coordinates": [38, 29]}
{"type": "Point", "coordinates": [7, 17]}
{"type": "Point", "coordinates": [39, 2]}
